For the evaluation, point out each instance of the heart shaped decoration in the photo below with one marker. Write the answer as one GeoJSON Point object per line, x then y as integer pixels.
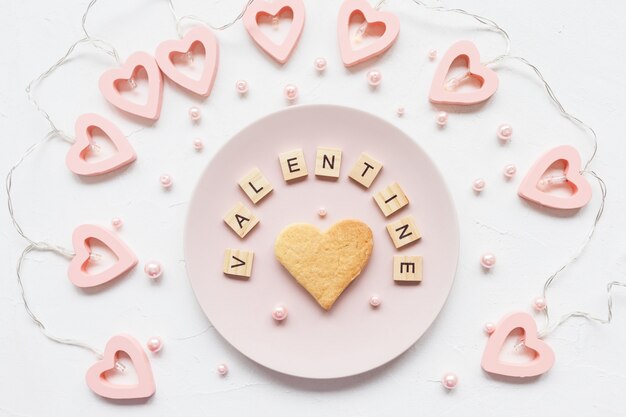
{"type": "Point", "coordinates": [372, 16]}
{"type": "Point", "coordinates": [96, 378]}
{"type": "Point", "coordinates": [325, 263]}
{"type": "Point", "coordinates": [282, 52]}
{"type": "Point", "coordinates": [581, 190]}
{"type": "Point", "coordinates": [75, 159]}
{"type": "Point", "coordinates": [487, 77]}
{"type": "Point", "coordinates": [109, 88]}
{"type": "Point", "coordinates": [203, 36]}
{"type": "Point", "coordinates": [544, 356]}
{"type": "Point", "coordinates": [77, 271]}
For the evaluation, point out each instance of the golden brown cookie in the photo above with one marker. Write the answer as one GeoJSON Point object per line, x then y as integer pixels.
{"type": "Point", "coordinates": [325, 263]}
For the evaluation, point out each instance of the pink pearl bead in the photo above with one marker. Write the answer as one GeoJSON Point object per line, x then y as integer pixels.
{"type": "Point", "coordinates": [510, 170]}
{"type": "Point", "coordinates": [153, 269]}
{"type": "Point", "coordinates": [478, 185]}
{"type": "Point", "coordinates": [320, 64]}
{"type": "Point", "coordinates": [291, 92]}
{"type": "Point", "coordinates": [375, 301]}
{"type": "Point", "coordinates": [488, 260]}
{"type": "Point", "coordinates": [198, 145]}
{"type": "Point", "coordinates": [490, 327]}
{"type": "Point", "coordinates": [400, 111]}
{"type": "Point", "coordinates": [222, 369]}
{"type": "Point", "coordinates": [449, 380]}
{"type": "Point", "coordinates": [279, 313]}
{"type": "Point", "coordinates": [539, 303]}
{"type": "Point", "coordinates": [166, 180]}
{"type": "Point", "coordinates": [116, 222]}
{"type": "Point", "coordinates": [374, 77]}
{"type": "Point", "coordinates": [322, 212]}
{"type": "Point", "coordinates": [241, 86]}
{"type": "Point", "coordinates": [441, 118]}
{"type": "Point", "coordinates": [432, 54]}
{"type": "Point", "coordinates": [505, 131]}
{"type": "Point", "coordinates": [194, 113]}
{"type": "Point", "coordinates": [154, 344]}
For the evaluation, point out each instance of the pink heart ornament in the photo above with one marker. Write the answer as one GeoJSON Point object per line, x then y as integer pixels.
{"type": "Point", "coordinates": [352, 56]}
{"type": "Point", "coordinates": [96, 379]}
{"type": "Point", "coordinates": [75, 159]}
{"type": "Point", "coordinates": [151, 109]}
{"type": "Point", "coordinates": [282, 52]}
{"type": "Point", "coordinates": [203, 36]}
{"type": "Point", "coordinates": [544, 356]}
{"type": "Point", "coordinates": [581, 189]}
{"type": "Point", "coordinates": [77, 270]}
{"type": "Point", "coordinates": [486, 76]}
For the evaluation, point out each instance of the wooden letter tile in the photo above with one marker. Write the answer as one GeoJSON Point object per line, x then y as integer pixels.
{"type": "Point", "coordinates": [241, 220]}
{"type": "Point", "coordinates": [391, 199]}
{"type": "Point", "coordinates": [238, 262]}
{"type": "Point", "coordinates": [328, 162]}
{"type": "Point", "coordinates": [293, 165]}
{"type": "Point", "coordinates": [365, 170]}
{"type": "Point", "coordinates": [255, 185]}
{"type": "Point", "coordinates": [407, 268]}
{"type": "Point", "coordinates": [403, 231]}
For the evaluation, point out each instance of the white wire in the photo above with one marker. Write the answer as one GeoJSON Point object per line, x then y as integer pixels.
{"type": "Point", "coordinates": [179, 20]}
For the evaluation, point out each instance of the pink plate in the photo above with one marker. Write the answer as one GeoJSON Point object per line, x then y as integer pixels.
{"type": "Point", "coordinates": [352, 337]}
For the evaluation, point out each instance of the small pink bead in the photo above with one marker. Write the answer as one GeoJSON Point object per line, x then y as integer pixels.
{"type": "Point", "coordinates": [441, 118]}
{"type": "Point", "coordinates": [153, 269]}
{"type": "Point", "coordinates": [400, 111]}
{"type": "Point", "coordinates": [505, 131]}
{"type": "Point", "coordinates": [291, 92]}
{"type": "Point", "coordinates": [194, 113]}
{"type": "Point", "coordinates": [155, 344]}
{"type": "Point", "coordinates": [241, 86]}
{"type": "Point", "coordinates": [488, 260]}
{"type": "Point", "coordinates": [490, 327]}
{"type": "Point", "coordinates": [449, 380]}
{"type": "Point", "coordinates": [510, 170]}
{"type": "Point", "coordinates": [222, 369]}
{"type": "Point", "coordinates": [279, 313]}
{"type": "Point", "coordinates": [322, 212]}
{"type": "Point", "coordinates": [478, 185]}
{"type": "Point", "coordinates": [320, 64]}
{"type": "Point", "coordinates": [539, 303]}
{"type": "Point", "coordinates": [116, 222]}
{"type": "Point", "coordinates": [432, 54]}
{"type": "Point", "coordinates": [198, 145]}
{"type": "Point", "coordinates": [374, 77]}
{"type": "Point", "coordinates": [166, 180]}
{"type": "Point", "coordinates": [375, 301]}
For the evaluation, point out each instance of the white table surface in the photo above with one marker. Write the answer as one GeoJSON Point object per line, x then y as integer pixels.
{"type": "Point", "coordinates": [579, 50]}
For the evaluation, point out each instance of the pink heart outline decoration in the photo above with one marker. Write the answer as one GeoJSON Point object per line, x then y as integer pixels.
{"type": "Point", "coordinates": [282, 52]}
{"type": "Point", "coordinates": [544, 356]}
{"type": "Point", "coordinates": [75, 159]}
{"type": "Point", "coordinates": [97, 382]}
{"type": "Point", "coordinates": [351, 56]}
{"type": "Point", "coordinates": [108, 86]}
{"type": "Point", "coordinates": [486, 76]}
{"type": "Point", "coordinates": [199, 34]}
{"type": "Point", "coordinates": [581, 189]}
{"type": "Point", "coordinates": [77, 270]}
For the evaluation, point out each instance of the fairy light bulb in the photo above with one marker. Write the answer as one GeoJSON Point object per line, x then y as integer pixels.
{"type": "Point", "coordinates": [132, 83]}
{"type": "Point", "coordinates": [545, 183]}
{"type": "Point", "coordinates": [358, 36]}
{"type": "Point", "coordinates": [275, 22]}
{"type": "Point", "coordinates": [189, 56]}
{"type": "Point", "coordinates": [120, 366]}
{"type": "Point", "coordinates": [454, 82]}
{"type": "Point", "coordinates": [93, 147]}
{"type": "Point", "coordinates": [95, 257]}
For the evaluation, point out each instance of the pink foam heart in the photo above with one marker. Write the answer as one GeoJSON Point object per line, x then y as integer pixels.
{"type": "Point", "coordinates": [540, 364]}
{"type": "Point", "coordinates": [280, 52]}
{"type": "Point", "coordinates": [203, 36]}
{"type": "Point", "coordinates": [75, 158]}
{"type": "Point", "coordinates": [372, 16]}
{"type": "Point", "coordinates": [77, 270]}
{"type": "Point", "coordinates": [581, 190]}
{"type": "Point", "coordinates": [96, 378]}
{"type": "Point", "coordinates": [151, 109]}
{"type": "Point", "coordinates": [487, 78]}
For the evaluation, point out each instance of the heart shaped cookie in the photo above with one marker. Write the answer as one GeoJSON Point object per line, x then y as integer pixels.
{"type": "Point", "coordinates": [325, 263]}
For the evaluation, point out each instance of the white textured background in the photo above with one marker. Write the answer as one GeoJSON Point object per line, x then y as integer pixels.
{"type": "Point", "coordinates": [576, 45]}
